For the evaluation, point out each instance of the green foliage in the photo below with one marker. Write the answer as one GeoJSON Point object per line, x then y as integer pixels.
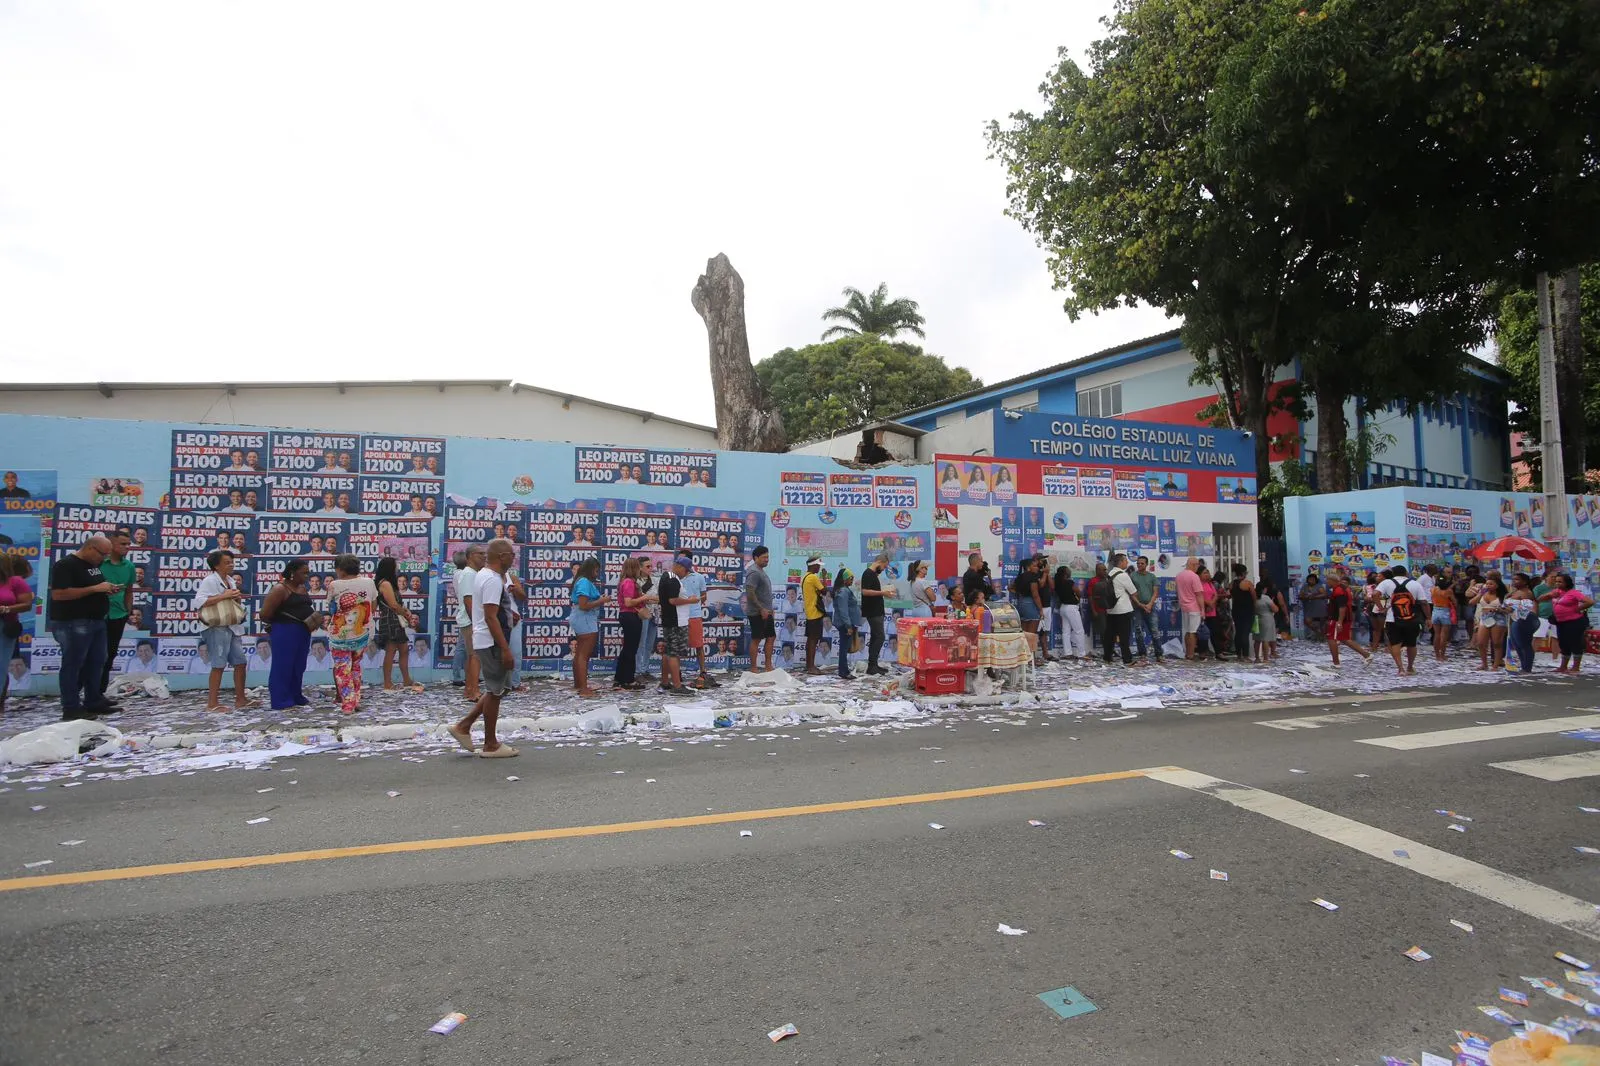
{"type": "Point", "coordinates": [1517, 334]}
{"type": "Point", "coordinates": [824, 389]}
{"type": "Point", "coordinates": [876, 313]}
{"type": "Point", "coordinates": [1291, 478]}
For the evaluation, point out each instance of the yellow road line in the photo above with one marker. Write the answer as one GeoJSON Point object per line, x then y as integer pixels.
{"type": "Point", "coordinates": [398, 847]}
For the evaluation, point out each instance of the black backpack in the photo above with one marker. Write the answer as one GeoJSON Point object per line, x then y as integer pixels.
{"type": "Point", "coordinates": [1105, 592]}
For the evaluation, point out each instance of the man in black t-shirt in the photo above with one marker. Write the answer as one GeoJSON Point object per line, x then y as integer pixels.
{"type": "Point", "coordinates": [80, 598]}
{"type": "Point", "coordinates": [872, 597]}
{"type": "Point", "coordinates": [977, 577]}
{"type": "Point", "coordinates": [674, 630]}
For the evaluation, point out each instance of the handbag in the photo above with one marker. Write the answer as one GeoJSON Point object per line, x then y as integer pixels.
{"type": "Point", "coordinates": [10, 625]}
{"type": "Point", "coordinates": [223, 613]}
{"type": "Point", "coordinates": [855, 645]}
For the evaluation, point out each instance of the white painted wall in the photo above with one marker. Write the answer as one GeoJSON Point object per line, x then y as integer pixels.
{"type": "Point", "coordinates": [475, 410]}
{"type": "Point", "coordinates": [972, 436]}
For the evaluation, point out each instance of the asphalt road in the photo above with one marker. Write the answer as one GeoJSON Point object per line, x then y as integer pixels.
{"type": "Point", "coordinates": [870, 931]}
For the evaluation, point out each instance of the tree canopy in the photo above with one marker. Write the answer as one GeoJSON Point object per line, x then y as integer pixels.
{"type": "Point", "coordinates": [1517, 333]}
{"type": "Point", "coordinates": [1332, 181]}
{"type": "Point", "coordinates": [874, 313]}
{"type": "Point", "coordinates": [824, 389]}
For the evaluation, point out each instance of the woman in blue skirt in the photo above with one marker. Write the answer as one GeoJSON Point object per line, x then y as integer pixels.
{"type": "Point", "coordinates": [291, 618]}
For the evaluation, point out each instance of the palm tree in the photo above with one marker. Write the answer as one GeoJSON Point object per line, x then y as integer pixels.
{"type": "Point", "coordinates": [873, 314]}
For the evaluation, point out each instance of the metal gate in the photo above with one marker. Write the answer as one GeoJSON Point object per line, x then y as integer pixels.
{"type": "Point", "coordinates": [1274, 562]}
{"type": "Point", "coordinates": [1232, 547]}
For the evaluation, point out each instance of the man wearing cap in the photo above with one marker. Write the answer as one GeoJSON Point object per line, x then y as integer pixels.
{"type": "Point", "coordinates": [811, 592]}
{"type": "Point", "coordinates": [694, 593]}
{"type": "Point", "coordinates": [872, 597]}
{"type": "Point", "coordinates": [758, 608]}
{"type": "Point", "coordinates": [674, 634]}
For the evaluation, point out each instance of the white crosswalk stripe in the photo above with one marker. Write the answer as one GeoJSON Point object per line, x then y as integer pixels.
{"type": "Point", "coordinates": [1556, 767]}
{"type": "Point", "coordinates": [1320, 721]}
{"type": "Point", "coordinates": [1474, 734]}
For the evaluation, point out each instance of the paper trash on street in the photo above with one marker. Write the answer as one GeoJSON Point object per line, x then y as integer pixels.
{"type": "Point", "coordinates": [1465, 927]}
{"type": "Point", "coordinates": [1180, 854]}
{"type": "Point", "coordinates": [1501, 1016]}
{"type": "Point", "coordinates": [70, 843]}
{"type": "Point", "coordinates": [935, 825]}
{"type": "Point", "coordinates": [1219, 875]}
{"type": "Point", "coordinates": [746, 833]}
{"type": "Point", "coordinates": [1511, 995]}
{"type": "Point", "coordinates": [1008, 931]}
{"type": "Point", "coordinates": [256, 821]}
{"type": "Point", "coordinates": [1035, 823]}
{"type": "Point", "coordinates": [1570, 961]}
{"type": "Point", "coordinates": [1456, 828]}
{"type": "Point", "coordinates": [1582, 850]}
{"type": "Point", "coordinates": [448, 1023]}
{"type": "Point", "coordinates": [782, 1032]}
{"type": "Point", "coordinates": [36, 865]}
{"type": "Point", "coordinates": [1325, 905]}
{"type": "Point", "coordinates": [1416, 954]}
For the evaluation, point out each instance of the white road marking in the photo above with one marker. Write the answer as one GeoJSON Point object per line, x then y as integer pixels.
{"type": "Point", "coordinates": [1546, 904]}
{"type": "Point", "coordinates": [1556, 767]}
{"type": "Point", "coordinates": [1473, 733]}
{"type": "Point", "coordinates": [1313, 701]}
{"type": "Point", "coordinates": [1352, 717]}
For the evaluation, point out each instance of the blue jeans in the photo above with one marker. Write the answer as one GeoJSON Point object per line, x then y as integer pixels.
{"type": "Point", "coordinates": [845, 641]}
{"type": "Point", "coordinates": [83, 662]}
{"type": "Point", "coordinates": [647, 646]}
{"type": "Point", "coordinates": [458, 661]}
{"type": "Point", "coordinates": [1522, 631]}
{"type": "Point", "coordinates": [1144, 624]}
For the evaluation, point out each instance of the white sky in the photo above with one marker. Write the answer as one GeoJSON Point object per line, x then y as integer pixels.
{"type": "Point", "coordinates": [290, 190]}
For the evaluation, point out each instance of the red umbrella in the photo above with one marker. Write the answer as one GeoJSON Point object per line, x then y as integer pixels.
{"type": "Point", "coordinates": [1501, 547]}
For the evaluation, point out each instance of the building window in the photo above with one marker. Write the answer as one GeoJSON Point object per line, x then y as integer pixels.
{"type": "Point", "coordinates": [1027, 408]}
{"type": "Point", "coordinates": [1103, 402]}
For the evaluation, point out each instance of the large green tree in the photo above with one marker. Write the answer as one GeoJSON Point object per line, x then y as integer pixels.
{"type": "Point", "coordinates": [1517, 334]}
{"type": "Point", "coordinates": [824, 389]}
{"type": "Point", "coordinates": [873, 313]}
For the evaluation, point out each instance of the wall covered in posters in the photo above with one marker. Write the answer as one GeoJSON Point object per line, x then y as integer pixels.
{"type": "Point", "coordinates": [1082, 515]}
{"type": "Point", "coordinates": [270, 494]}
{"type": "Point", "coordinates": [1377, 528]}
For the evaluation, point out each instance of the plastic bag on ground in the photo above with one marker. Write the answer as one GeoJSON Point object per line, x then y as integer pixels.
{"type": "Point", "coordinates": [607, 719]}
{"type": "Point", "coordinates": [58, 742]}
{"type": "Point", "coordinates": [1173, 649]}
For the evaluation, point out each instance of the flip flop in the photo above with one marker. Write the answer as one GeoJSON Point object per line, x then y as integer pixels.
{"type": "Point", "coordinates": [462, 737]}
{"type": "Point", "coordinates": [504, 751]}
{"type": "Point", "coordinates": [418, 688]}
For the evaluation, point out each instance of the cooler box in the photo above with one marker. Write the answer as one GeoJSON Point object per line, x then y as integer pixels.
{"type": "Point", "coordinates": [937, 643]}
{"type": "Point", "coordinates": [942, 682]}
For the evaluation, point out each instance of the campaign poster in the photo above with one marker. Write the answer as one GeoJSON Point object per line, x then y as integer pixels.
{"type": "Point", "coordinates": [1236, 490]}
{"type": "Point", "coordinates": [555, 527]}
{"type": "Point", "coordinates": [1149, 543]}
{"type": "Point", "coordinates": [237, 451]}
{"type": "Point", "coordinates": [1003, 483]}
{"type": "Point", "coordinates": [1059, 480]}
{"type": "Point", "coordinates": [413, 554]}
{"type": "Point", "coordinates": [1166, 485]}
{"type": "Point", "coordinates": [365, 537]}
{"type": "Point", "coordinates": [27, 491]}
{"type": "Point", "coordinates": [1033, 529]}
{"type": "Point", "coordinates": [641, 532]}
{"type": "Point", "coordinates": [116, 492]}
{"type": "Point", "coordinates": [1438, 516]}
{"type": "Point", "coordinates": [1536, 513]}
{"type": "Point", "coordinates": [711, 533]}
{"type": "Point", "coordinates": [1580, 512]}
{"type": "Point", "coordinates": [1094, 482]}
{"type": "Point", "coordinates": [828, 543]}
{"type": "Point", "coordinates": [22, 537]}
{"type": "Point", "coordinates": [294, 452]}
{"type": "Point", "coordinates": [952, 484]}
{"type": "Point", "coordinates": [1100, 537]}
{"type": "Point", "coordinates": [75, 523]}
{"type": "Point", "coordinates": [894, 492]}
{"type": "Point", "coordinates": [1461, 520]}
{"type": "Point", "coordinates": [320, 494]}
{"type": "Point", "coordinates": [1508, 512]}
{"type": "Point", "coordinates": [291, 537]}
{"type": "Point", "coordinates": [484, 519]}
{"type": "Point", "coordinates": [553, 566]}
{"type": "Point", "coordinates": [1524, 523]}
{"type": "Point", "coordinates": [1129, 486]}
{"type": "Point", "coordinates": [849, 490]}
{"type": "Point", "coordinates": [799, 488]}
{"type": "Point", "coordinates": [401, 497]}
{"type": "Point", "coordinates": [266, 570]}
{"type": "Point", "coordinates": [610, 466]}
{"type": "Point", "coordinates": [180, 573]}
{"type": "Point", "coordinates": [383, 455]}
{"type": "Point", "coordinates": [1167, 536]}
{"type": "Point", "coordinates": [206, 531]}
{"type": "Point", "coordinates": [1417, 516]}
{"type": "Point", "coordinates": [975, 483]}
{"type": "Point", "coordinates": [1198, 543]}
{"type": "Point", "coordinates": [218, 490]}
{"type": "Point", "coordinates": [899, 546]}
{"type": "Point", "coordinates": [693, 470]}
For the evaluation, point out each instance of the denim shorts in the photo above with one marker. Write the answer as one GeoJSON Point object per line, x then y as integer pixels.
{"type": "Point", "coordinates": [1027, 610]}
{"type": "Point", "coordinates": [1441, 616]}
{"type": "Point", "coordinates": [584, 622]}
{"type": "Point", "coordinates": [222, 648]}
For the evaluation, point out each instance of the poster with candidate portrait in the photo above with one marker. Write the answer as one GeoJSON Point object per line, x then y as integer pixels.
{"type": "Point", "coordinates": [319, 494]}
{"type": "Point", "coordinates": [401, 497]}
{"type": "Point", "coordinates": [236, 451]}
{"type": "Point", "coordinates": [390, 456]}
{"type": "Point", "coordinates": [75, 523]}
{"type": "Point", "coordinates": [295, 452]}
{"type": "Point", "coordinates": [642, 466]}
{"type": "Point", "coordinates": [296, 536]}
{"type": "Point", "coordinates": [203, 531]}
{"type": "Point", "coordinates": [27, 491]}
{"type": "Point", "coordinates": [22, 537]}
{"type": "Point", "coordinates": [218, 490]}
{"type": "Point", "coordinates": [799, 488]}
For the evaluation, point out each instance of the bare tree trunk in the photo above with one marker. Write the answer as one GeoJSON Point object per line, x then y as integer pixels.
{"type": "Point", "coordinates": [747, 419]}
{"type": "Point", "coordinates": [1253, 404]}
{"type": "Point", "coordinates": [1333, 437]}
{"type": "Point", "coordinates": [1569, 376]}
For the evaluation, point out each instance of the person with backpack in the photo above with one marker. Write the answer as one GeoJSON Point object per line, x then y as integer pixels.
{"type": "Point", "coordinates": [1114, 595]}
{"type": "Point", "coordinates": [1403, 619]}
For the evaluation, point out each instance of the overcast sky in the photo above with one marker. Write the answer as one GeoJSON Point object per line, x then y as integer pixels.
{"type": "Point", "coordinates": [280, 190]}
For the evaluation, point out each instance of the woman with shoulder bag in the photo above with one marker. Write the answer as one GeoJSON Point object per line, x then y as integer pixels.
{"type": "Point", "coordinates": [393, 617]}
{"type": "Point", "coordinates": [291, 616]}
{"type": "Point", "coordinates": [846, 617]}
{"type": "Point", "coordinates": [220, 605]}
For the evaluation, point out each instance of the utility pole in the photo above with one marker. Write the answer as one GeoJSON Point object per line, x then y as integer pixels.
{"type": "Point", "coordinates": [1555, 480]}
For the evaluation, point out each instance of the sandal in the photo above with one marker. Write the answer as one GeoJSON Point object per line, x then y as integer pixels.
{"type": "Point", "coordinates": [503, 751]}
{"type": "Point", "coordinates": [462, 737]}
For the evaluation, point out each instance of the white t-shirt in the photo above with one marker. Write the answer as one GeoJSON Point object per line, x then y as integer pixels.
{"type": "Point", "coordinates": [1413, 586]}
{"type": "Point", "coordinates": [1425, 583]}
{"type": "Point", "coordinates": [464, 580]}
{"type": "Point", "coordinates": [212, 585]}
{"type": "Point", "coordinates": [1125, 589]}
{"type": "Point", "coordinates": [489, 587]}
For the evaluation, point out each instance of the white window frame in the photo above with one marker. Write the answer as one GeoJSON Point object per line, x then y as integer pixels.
{"type": "Point", "coordinates": [1102, 401]}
